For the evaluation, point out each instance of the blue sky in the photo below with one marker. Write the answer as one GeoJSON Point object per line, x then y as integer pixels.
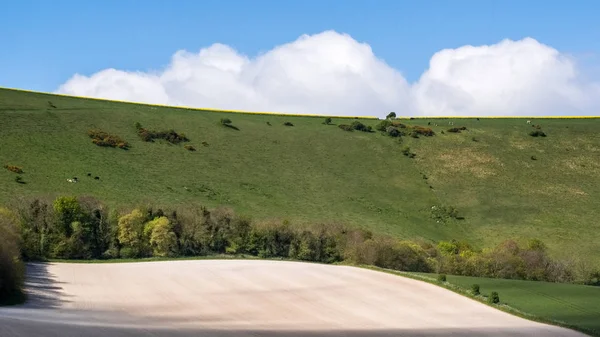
{"type": "Point", "coordinates": [44, 43]}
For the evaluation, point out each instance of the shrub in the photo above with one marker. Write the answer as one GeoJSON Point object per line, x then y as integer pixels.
{"type": "Point", "coordinates": [288, 124]}
{"type": "Point", "coordinates": [205, 143]}
{"type": "Point", "coordinates": [225, 121]}
{"type": "Point", "coordinates": [399, 125]}
{"type": "Point", "coordinates": [537, 133]}
{"type": "Point", "coordinates": [169, 135]}
{"type": "Point", "coordinates": [19, 179]}
{"type": "Point", "coordinates": [474, 139]}
{"type": "Point", "coordinates": [533, 158]}
{"type": "Point", "coordinates": [454, 130]}
{"type": "Point", "coordinates": [441, 278]}
{"type": "Point", "coordinates": [391, 115]}
{"type": "Point", "coordinates": [190, 148]}
{"type": "Point", "coordinates": [345, 127]}
{"type": "Point", "coordinates": [327, 121]}
{"type": "Point", "coordinates": [383, 125]}
{"type": "Point", "coordinates": [494, 298]}
{"type": "Point", "coordinates": [269, 123]}
{"type": "Point", "coordinates": [105, 139]}
{"type": "Point", "coordinates": [13, 168]}
{"type": "Point", "coordinates": [356, 125]}
{"type": "Point", "coordinates": [420, 130]}
{"type": "Point", "coordinates": [138, 125]}
{"type": "Point", "coordinates": [475, 289]}
{"type": "Point", "coordinates": [392, 131]}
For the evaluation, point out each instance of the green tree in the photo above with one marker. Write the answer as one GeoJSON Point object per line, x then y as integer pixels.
{"type": "Point", "coordinates": [131, 232]}
{"type": "Point", "coordinates": [328, 120]}
{"type": "Point", "coordinates": [67, 210]}
{"type": "Point", "coordinates": [11, 267]}
{"type": "Point", "coordinates": [36, 229]}
{"type": "Point", "coordinates": [391, 115]}
{"type": "Point", "coordinates": [162, 238]}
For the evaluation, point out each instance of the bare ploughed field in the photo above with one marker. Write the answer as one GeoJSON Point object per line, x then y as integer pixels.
{"type": "Point", "coordinates": [246, 298]}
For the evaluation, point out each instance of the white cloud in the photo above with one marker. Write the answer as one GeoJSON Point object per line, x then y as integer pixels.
{"type": "Point", "coordinates": [331, 73]}
{"type": "Point", "coordinates": [509, 78]}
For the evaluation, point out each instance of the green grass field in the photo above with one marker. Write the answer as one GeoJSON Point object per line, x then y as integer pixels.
{"type": "Point", "coordinates": [569, 305]}
{"type": "Point", "coordinates": [313, 172]}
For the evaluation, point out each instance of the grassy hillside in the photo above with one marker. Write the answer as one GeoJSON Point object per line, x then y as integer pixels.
{"type": "Point", "coordinates": [571, 305]}
{"type": "Point", "coordinates": [314, 172]}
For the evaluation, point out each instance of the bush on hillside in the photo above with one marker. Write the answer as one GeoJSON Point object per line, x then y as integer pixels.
{"type": "Point", "coordinates": [15, 169]}
{"type": "Point", "coordinates": [169, 135]}
{"type": "Point", "coordinates": [225, 121]}
{"type": "Point", "coordinates": [383, 125]}
{"type": "Point", "coordinates": [391, 115]}
{"type": "Point", "coordinates": [475, 289]}
{"type": "Point", "coordinates": [423, 131]}
{"type": "Point", "coordinates": [537, 133]}
{"type": "Point", "coordinates": [356, 125]}
{"type": "Point", "coordinates": [399, 125]}
{"type": "Point", "coordinates": [441, 278]}
{"type": "Point", "coordinates": [19, 180]}
{"type": "Point", "coordinates": [288, 124]}
{"type": "Point", "coordinates": [327, 121]}
{"type": "Point", "coordinates": [105, 139]}
{"type": "Point", "coordinates": [494, 298]}
{"type": "Point", "coordinates": [392, 131]}
{"type": "Point", "coordinates": [189, 147]}
{"type": "Point", "coordinates": [345, 127]}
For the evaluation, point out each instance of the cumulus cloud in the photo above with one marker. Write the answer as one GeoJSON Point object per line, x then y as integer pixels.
{"type": "Point", "coordinates": [509, 78]}
{"type": "Point", "coordinates": [331, 73]}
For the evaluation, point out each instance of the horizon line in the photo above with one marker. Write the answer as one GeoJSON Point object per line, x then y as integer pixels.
{"type": "Point", "coordinates": [272, 113]}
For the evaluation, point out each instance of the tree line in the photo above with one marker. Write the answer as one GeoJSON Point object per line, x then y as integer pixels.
{"type": "Point", "coordinates": [85, 228]}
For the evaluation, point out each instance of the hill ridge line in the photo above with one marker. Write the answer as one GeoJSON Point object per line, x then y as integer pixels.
{"type": "Point", "coordinates": [289, 114]}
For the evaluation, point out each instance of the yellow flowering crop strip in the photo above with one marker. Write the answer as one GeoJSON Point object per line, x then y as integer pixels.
{"type": "Point", "coordinates": [500, 117]}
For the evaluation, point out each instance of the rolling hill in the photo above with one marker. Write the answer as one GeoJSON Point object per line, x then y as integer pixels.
{"type": "Point", "coordinates": [502, 182]}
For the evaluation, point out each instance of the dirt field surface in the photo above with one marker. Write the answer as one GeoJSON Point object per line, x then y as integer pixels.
{"type": "Point", "coordinates": [246, 298]}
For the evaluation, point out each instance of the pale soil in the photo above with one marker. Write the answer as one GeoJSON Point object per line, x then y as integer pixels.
{"type": "Point", "coordinates": [247, 298]}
